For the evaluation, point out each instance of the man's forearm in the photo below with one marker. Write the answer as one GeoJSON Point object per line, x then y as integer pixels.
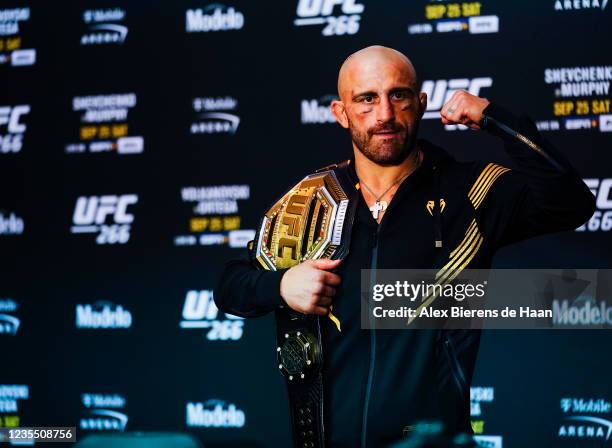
{"type": "Point", "coordinates": [524, 142]}
{"type": "Point", "coordinates": [551, 195]}
{"type": "Point", "coordinates": [246, 291]}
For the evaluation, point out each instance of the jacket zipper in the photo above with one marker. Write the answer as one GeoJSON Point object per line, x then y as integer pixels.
{"type": "Point", "coordinates": [456, 370]}
{"type": "Point", "coordinates": [364, 423]}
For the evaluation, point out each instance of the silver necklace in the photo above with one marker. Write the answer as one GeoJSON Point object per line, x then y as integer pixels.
{"type": "Point", "coordinates": [381, 206]}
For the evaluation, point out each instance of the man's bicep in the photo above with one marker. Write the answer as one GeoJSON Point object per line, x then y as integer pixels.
{"type": "Point", "coordinates": [501, 214]}
{"type": "Point", "coordinates": [518, 207]}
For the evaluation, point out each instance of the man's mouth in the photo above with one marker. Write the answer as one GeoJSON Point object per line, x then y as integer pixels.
{"type": "Point", "coordinates": [386, 133]}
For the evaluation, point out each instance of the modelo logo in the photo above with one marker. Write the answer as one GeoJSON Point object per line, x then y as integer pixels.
{"type": "Point", "coordinates": [11, 117]}
{"type": "Point", "coordinates": [102, 316]}
{"type": "Point", "coordinates": [589, 313]}
{"type": "Point", "coordinates": [11, 224]}
{"type": "Point", "coordinates": [215, 414]}
{"type": "Point", "coordinates": [318, 111]}
{"type": "Point", "coordinates": [214, 17]}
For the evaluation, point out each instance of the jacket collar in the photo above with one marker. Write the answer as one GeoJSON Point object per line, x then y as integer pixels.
{"type": "Point", "coordinates": [434, 157]}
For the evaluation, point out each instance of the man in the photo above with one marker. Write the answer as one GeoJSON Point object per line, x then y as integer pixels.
{"type": "Point", "coordinates": [418, 208]}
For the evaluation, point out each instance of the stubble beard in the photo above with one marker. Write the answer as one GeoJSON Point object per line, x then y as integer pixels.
{"type": "Point", "coordinates": [384, 151]}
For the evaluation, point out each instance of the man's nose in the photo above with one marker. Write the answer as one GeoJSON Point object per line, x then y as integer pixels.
{"type": "Point", "coordinates": [385, 111]}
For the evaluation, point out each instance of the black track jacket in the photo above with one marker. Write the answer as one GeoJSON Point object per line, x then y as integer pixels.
{"type": "Point", "coordinates": [378, 383]}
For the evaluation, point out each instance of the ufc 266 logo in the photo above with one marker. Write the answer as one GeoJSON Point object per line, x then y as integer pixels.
{"type": "Point", "coordinates": [108, 216]}
{"type": "Point", "coordinates": [201, 312]}
{"type": "Point", "coordinates": [321, 12]}
{"type": "Point", "coordinates": [11, 137]}
{"type": "Point", "coordinates": [602, 218]}
{"type": "Point", "coordinates": [440, 91]}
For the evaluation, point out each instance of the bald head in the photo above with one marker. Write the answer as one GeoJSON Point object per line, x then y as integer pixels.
{"type": "Point", "coordinates": [372, 62]}
{"type": "Point", "coordinates": [380, 104]}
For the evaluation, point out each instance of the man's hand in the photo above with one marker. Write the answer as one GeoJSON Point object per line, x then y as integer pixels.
{"type": "Point", "coordinates": [464, 108]}
{"type": "Point", "coordinates": [308, 288]}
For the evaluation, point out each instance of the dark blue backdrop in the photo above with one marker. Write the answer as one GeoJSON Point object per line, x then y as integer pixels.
{"type": "Point", "coordinates": [140, 143]}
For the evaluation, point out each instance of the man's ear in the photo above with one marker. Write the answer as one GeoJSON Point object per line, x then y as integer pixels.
{"type": "Point", "coordinates": [339, 111]}
{"type": "Point", "coordinates": [423, 103]}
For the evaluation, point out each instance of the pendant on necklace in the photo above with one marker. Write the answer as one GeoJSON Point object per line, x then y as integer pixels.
{"type": "Point", "coordinates": [378, 206]}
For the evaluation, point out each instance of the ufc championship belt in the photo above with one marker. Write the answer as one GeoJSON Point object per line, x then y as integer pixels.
{"type": "Point", "coordinates": [312, 220]}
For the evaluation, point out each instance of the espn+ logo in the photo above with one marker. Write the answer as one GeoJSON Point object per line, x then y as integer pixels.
{"type": "Point", "coordinates": [11, 137]}
{"type": "Point", "coordinates": [107, 216]}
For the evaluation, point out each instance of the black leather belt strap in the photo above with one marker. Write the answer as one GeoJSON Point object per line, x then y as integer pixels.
{"type": "Point", "coordinates": [299, 354]}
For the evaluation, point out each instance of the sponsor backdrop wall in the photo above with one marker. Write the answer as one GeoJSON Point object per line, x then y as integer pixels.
{"type": "Point", "coordinates": [141, 141]}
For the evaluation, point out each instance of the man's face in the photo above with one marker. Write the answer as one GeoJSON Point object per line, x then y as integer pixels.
{"type": "Point", "coordinates": [383, 110]}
